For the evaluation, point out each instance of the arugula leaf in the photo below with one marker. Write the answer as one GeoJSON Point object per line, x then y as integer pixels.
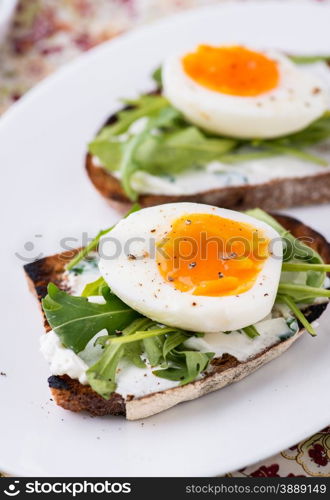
{"type": "Point", "coordinates": [144, 106]}
{"type": "Point", "coordinates": [293, 247]}
{"type": "Point", "coordinates": [182, 365]}
{"type": "Point", "coordinates": [142, 335]}
{"type": "Point", "coordinates": [94, 288]}
{"type": "Point", "coordinates": [76, 320]}
{"type": "Point", "coordinates": [295, 251]}
{"type": "Point", "coordinates": [158, 77]}
{"type": "Point", "coordinates": [298, 257]}
{"type": "Point", "coordinates": [133, 353]}
{"type": "Point", "coordinates": [187, 365]}
{"type": "Point", "coordinates": [240, 155]}
{"type": "Point", "coordinates": [174, 373]}
{"type": "Point", "coordinates": [108, 145]}
{"type": "Point", "coordinates": [174, 341]}
{"type": "Point", "coordinates": [109, 152]}
{"type": "Point", "coordinates": [290, 150]}
{"type": "Point", "coordinates": [171, 150]}
{"type": "Point", "coordinates": [303, 59]}
{"type": "Point", "coordinates": [196, 363]}
{"type": "Point", "coordinates": [153, 347]}
{"type": "Point", "coordinates": [86, 250]}
{"type": "Point", "coordinates": [177, 150]}
{"type": "Point", "coordinates": [251, 331]}
{"type": "Point", "coordinates": [297, 312]}
{"type": "Point", "coordinates": [302, 292]}
{"type": "Point", "coordinates": [102, 375]}
{"type": "Point", "coordinates": [134, 350]}
{"type": "Point", "coordinates": [316, 132]}
{"type": "Point", "coordinates": [129, 164]}
{"type": "Point", "coordinates": [295, 144]}
{"type": "Point", "coordinates": [304, 266]}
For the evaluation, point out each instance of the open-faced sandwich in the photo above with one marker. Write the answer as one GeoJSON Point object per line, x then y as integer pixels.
{"type": "Point", "coordinates": [228, 126]}
{"type": "Point", "coordinates": [174, 302]}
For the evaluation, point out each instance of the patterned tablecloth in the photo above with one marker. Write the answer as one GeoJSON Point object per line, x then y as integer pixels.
{"type": "Point", "coordinates": [46, 34]}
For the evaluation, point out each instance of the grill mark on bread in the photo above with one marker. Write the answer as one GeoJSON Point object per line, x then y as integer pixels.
{"type": "Point", "coordinates": [72, 395]}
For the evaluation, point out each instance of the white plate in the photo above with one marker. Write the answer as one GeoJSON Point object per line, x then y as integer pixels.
{"type": "Point", "coordinates": [44, 191]}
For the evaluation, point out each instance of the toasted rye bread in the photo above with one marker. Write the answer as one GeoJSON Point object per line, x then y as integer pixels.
{"type": "Point", "coordinates": [272, 195]}
{"type": "Point", "coordinates": [72, 395]}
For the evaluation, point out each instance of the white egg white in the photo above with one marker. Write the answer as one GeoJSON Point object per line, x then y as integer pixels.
{"type": "Point", "coordinates": [128, 265]}
{"type": "Point", "coordinates": [299, 99]}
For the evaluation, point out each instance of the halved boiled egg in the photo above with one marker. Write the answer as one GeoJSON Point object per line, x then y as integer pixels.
{"type": "Point", "coordinates": [193, 266]}
{"type": "Point", "coordinates": [240, 92]}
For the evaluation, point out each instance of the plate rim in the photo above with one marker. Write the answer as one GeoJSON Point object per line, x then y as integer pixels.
{"type": "Point", "coordinates": [83, 58]}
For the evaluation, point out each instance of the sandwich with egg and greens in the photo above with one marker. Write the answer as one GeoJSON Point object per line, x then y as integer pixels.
{"type": "Point", "coordinates": [229, 126]}
{"type": "Point", "coordinates": [176, 301]}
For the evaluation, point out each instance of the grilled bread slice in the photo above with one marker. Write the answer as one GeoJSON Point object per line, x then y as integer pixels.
{"type": "Point", "coordinates": [72, 395]}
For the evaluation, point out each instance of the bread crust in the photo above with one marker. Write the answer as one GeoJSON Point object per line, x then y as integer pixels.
{"type": "Point", "coordinates": [72, 395]}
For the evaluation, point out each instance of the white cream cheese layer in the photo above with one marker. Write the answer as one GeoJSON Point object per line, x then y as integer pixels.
{"type": "Point", "coordinates": [62, 361]}
{"type": "Point", "coordinates": [238, 344]}
{"type": "Point", "coordinates": [217, 175]}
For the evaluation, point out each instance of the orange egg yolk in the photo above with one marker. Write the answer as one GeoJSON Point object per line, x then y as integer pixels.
{"type": "Point", "coordinates": [232, 70]}
{"type": "Point", "coordinates": [205, 254]}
